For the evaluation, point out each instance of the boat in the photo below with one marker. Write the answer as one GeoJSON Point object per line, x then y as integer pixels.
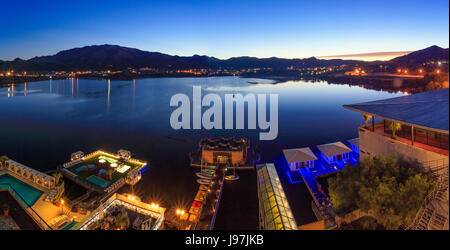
{"type": "Point", "coordinates": [231, 177]}
{"type": "Point", "coordinates": [210, 167]}
{"type": "Point", "coordinates": [204, 175]}
{"type": "Point", "coordinates": [203, 181]}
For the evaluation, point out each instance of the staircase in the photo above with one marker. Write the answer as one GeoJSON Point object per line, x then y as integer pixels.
{"type": "Point", "coordinates": [434, 213]}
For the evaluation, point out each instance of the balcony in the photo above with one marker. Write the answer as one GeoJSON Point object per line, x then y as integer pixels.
{"type": "Point", "coordinates": [420, 141]}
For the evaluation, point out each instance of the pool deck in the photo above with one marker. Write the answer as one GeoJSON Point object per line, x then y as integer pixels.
{"type": "Point", "coordinates": [46, 210]}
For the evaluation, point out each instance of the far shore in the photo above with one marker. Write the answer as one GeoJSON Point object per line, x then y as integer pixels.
{"type": "Point", "coordinates": [409, 85]}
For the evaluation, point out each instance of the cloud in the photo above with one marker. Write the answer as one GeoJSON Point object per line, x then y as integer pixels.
{"type": "Point", "coordinates": [369, 56]}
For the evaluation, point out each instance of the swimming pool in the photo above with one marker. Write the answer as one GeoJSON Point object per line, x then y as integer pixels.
{"type": "Point", "coordinates": [79, 168]}
{"type": "Point", "coordinates": [98, 181]}
{"type": "Point", "coordinates": [28, 193]}
{"type": "Point", "coordinates": [70, 225]}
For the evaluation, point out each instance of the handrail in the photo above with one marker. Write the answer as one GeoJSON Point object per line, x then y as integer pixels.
{"type": "Point", "coordinates": [216, 208]}
{"type": "Point", "coordinates": [428, 198]}
{"type": "Point", "coordinates": [26, 203]}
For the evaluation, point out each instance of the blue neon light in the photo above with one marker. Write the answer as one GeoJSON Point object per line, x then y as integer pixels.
{"type": "Point", "coordinates": [144, 168]}
{"type": "Point", "coordinates": [290, 178]}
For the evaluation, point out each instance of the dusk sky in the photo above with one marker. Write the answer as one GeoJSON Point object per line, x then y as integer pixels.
{"type": "Point", "coordinates": [289, 29]}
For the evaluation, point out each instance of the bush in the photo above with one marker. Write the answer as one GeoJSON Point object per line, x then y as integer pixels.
{"type": "Point", "coordinates": [3, 158]}
{"type": "Point", "coordinates": [392, 189]}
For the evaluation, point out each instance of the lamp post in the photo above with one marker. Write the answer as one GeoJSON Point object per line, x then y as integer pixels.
{"type": "Point", "coordinates": [62, 205]}
{"type": "Point", "coordinates": [180, 213]}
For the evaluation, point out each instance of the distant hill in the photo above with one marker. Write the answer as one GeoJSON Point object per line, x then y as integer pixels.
{"type": "Point", "coordinates": [104, 57]}
{"type": "Point", "coordinates": [433, 53]}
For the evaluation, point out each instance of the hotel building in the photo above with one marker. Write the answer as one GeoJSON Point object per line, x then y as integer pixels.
{"type": "Point", "coordinates": [413, 128]}
{"type": "Point", "coordinates": [423, 124]}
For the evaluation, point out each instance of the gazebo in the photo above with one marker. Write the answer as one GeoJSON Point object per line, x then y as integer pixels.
{"type": "Point", "coordinates": [335, 153]}
{"type": "Point", "coordinates": [299, 158]}
{"type": "Point", "coordinates": [76, 156]}
{"type": "Point", "coordinates": [125, 154]}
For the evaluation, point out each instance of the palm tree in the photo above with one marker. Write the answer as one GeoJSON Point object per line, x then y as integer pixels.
{"type": "Point", "coordinates": [395, 126]}
{"type": "Point", "coordinates": [122, 220]}
{"type": "Point", "coordinates": [57, 177]}
{"type": "Point", "coordinates": [366, 118]}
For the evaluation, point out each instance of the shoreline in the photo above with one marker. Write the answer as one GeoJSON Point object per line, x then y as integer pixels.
{"type": "Point", "coordinates": [368, 82]}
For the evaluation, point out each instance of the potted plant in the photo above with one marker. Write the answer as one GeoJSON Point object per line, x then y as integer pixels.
{"type": "Point", "coordinates": [395, 126]}
{"type": "Point", "coordinates": [366, 118]}
{"type": "Point", "coordinates": [5, 209]}
{"type": "Point", "coordinates": [57, 201]}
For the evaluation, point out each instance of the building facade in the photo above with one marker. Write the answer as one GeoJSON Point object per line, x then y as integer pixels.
{"type": "Point", "coordinates": [413, 128]}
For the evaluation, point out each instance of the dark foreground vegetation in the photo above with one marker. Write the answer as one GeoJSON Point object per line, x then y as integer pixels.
{"type": "Point", "coordinates": [392, 190]}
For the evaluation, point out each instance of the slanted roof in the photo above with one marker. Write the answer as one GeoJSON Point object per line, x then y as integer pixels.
{"type": "Point", "coordinates": [31, 170]}
{"type": "Point", "coordinates": [354, 142]}
{"type": "Point", "coordinates": [335, 148]}
{"type": "Point", "coordinates": [277, 214]}
{"type": "Point", "coordinates": [427, 109]}
{"type": "Point", "coordinates": [299, 155]}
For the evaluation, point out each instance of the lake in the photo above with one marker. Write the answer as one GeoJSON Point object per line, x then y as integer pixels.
{"type": "Point", "coordinates": [42, 123]}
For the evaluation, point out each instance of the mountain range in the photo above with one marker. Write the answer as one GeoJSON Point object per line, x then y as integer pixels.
{"type": "Point", "coordinates": [113, 57]}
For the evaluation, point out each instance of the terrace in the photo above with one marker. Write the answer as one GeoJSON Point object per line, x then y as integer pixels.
{"type": "Point", "coordinates": [119, 208]}
{"type": "Point", "coordinates": [104, 172]}
{"type": "Point", "coordinates": [417, 137]}
{"type": "Point", "coordinates": [421, 122]}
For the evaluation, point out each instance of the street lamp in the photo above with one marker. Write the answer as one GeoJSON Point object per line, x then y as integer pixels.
{"type": "Point", "coordinates": [180, 212]}
{"type": "Point", "coordinates": [62, 205]}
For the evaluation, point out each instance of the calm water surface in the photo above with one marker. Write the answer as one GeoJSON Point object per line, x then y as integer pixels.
{"type": "Point", "coordinates": [42, 123]}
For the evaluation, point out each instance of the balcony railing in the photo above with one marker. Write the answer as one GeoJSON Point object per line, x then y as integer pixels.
{"type": "Point", "coordinates": [378, 128]}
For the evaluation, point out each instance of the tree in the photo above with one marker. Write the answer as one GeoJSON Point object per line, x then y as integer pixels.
{"type": "Point", "coordinates": [3, 158]}
{"type": "Point", "coordinates": [57, 177]}
{"type": "Point", "coordinates": [366, 118]}
{"type": "Point", "coordinates": [392, 190]}
{"type": "Point", "coordinates": [395, 126]}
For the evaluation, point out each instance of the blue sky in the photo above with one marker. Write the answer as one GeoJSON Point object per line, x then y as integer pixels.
{"type": "Point", "coordinates": [290, 29]}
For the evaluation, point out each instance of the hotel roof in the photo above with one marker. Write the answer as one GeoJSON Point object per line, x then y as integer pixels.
{"type": "Point", "coordinates": [427, 109]}
{"type": "Point", "coordinates": [299, 155]}
{"type": "Point", "coordinates": [223, 144]}
{"type": "Point", "coordinates": [31, 171]}
{"type": "Point", "coordinates": [354, 142]}
{"type": "Point", "coordinates": [335, 148]}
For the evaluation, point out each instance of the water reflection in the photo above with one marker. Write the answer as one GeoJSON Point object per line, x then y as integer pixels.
{"type": "Point", "coordinates": [44, 126]}
{"type": "Point", "coordinates": [134, 94]}
{"type": "Point", "coordinates": [109, 96]}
